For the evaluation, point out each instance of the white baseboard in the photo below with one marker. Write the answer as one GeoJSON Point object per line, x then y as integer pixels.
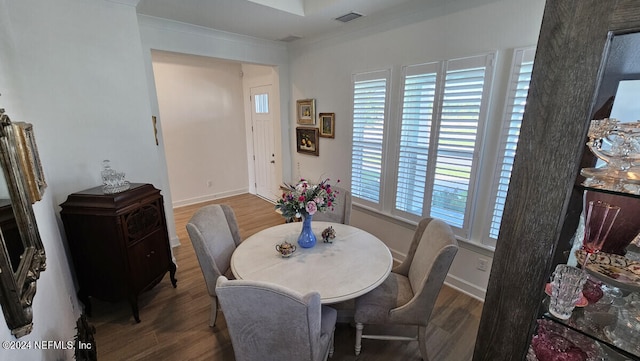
{"type": "Point", "coordinates": [174, 242]}
{"type": "Point", "coordinates": [397, 256]}
{"type": "Point", "coordinates": [208, 197]}
{"type": "Point", "coordinates": [465, 287]}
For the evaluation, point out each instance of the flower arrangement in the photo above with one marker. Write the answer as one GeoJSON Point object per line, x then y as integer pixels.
{"type": "Point", "coordinates": [305, 199]}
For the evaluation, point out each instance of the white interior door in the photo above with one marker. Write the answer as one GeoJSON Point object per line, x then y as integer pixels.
{"type": "Point", "coordinates": [264, 158]}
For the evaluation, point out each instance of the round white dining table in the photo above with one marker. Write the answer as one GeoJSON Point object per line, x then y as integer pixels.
{"type": "Point", "coordinates": [355, 262]}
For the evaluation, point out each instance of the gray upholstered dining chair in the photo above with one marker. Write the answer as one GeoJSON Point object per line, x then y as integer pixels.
{"type": "Point", "coordinates": [341, 212]}
{"type": "Point", "coordinates": [270, 322]}
{"type": "Point", "coordinates": [214, 233]}
{"type": "Point", "coordinates": [408, 295]}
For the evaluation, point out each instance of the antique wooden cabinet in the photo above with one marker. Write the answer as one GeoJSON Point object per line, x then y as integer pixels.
{"type": "Point", "coordinates": [543, 204]}
{"type": "Point", "coordinates": [119, 243]}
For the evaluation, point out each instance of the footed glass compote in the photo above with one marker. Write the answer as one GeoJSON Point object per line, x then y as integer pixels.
{"type": "Point", "coordinates": [618, 145]}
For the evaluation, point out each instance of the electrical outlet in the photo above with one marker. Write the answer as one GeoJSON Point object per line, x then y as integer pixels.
{"type": "Point", "coordinates": [209, 183]}
{"type": "Point", "coordinates": [483, 264]}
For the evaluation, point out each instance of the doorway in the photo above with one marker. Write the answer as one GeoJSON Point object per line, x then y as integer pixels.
{"type": "Point", "coordinates": [207, 124]}
{"type": "Point", "coordinates": [264, 157]}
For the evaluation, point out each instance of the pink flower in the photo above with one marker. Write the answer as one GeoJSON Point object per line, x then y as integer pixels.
{"type": "Point", "coordinates": [319, 201]}
{"type": "Point", "coordinates": [311, 208]}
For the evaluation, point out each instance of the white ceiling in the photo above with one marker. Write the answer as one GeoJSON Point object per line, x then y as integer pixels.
{"type": "Point", "coordinates": [272, 19]}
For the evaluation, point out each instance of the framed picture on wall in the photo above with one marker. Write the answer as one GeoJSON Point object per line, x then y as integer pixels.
{"type": "Point", "coordinates": [307, 140]}
{"type": "Point", "coordinates": [306, 110]}
{"type": "Point", "coordinates": [327, 125]}
{"type": "Point", "coordinates": [30, 159]}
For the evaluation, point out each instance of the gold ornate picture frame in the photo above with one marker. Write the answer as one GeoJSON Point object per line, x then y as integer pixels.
{"type": "Point", "coordinates": [306, 111]}
{"type": "Point", "coordinates": [30, 160]}
{"type": "Point", "coordinates": [22, 255]}
{"type": "Point", "coordinates": [327, 125]}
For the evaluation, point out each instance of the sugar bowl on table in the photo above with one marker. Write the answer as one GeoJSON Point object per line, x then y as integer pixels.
{"type": "Point", "coordinates": [285, 249]}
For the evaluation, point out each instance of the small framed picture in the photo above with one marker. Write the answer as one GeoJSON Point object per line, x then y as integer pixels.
{"type": "Point", "coordinates": [306, 109]}
{"type": "Point", "coordinates": [307, 140]}
{"type": "Point", "coordinates": [327, 125]}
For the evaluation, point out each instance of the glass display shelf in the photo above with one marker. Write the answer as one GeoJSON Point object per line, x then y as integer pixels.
{"type": "Point", "coordinates": [560, 342]}
{"type": "Point", "coordinates": [599, 322]}
{"type": "Point", "coordinates": [607, 191]}
{"type": "Point", "coordinates": [607, 330]}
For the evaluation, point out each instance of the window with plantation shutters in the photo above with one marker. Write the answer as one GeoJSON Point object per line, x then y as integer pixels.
{"type": "Point", "coordinates": [369, 116]}
{"type": "Point", "coordinates": [443, 109]}
{"type": "Point", "coordinates": [516, 100]}
{"type": "Point", "coordinates": [424, 146]}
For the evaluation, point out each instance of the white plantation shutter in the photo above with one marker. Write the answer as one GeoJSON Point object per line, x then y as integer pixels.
{"type": "Point", "coordinates": [463, 108]}
{"type": "Point", "coordinates": [442, 111]}
{"type": "Point", "coordinates": [369, 114]}
{"type": "Point", "coordinates": [517, 97]}
{"type": "Point", "coordinates": [417, 113]}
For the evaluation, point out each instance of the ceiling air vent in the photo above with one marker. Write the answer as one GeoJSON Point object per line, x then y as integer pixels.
{"type": "Point", "coordinates": [348, 17]}
{"type": "Point", "coordinates": [290, 38]}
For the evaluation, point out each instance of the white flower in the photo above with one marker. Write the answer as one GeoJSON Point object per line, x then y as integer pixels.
{"type": "Point", "coordinates": [302, 186]}
{"type": "Point", "coordinates": [311, 208]}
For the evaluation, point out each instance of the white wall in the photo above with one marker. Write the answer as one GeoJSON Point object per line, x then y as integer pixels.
{"type": "Point", "coordinates": [159, 34]}
{"type": "Point", "coordinates": [322, 70]}
{"type": "Point", "coordinates": [75, 70]}
{"type": "Point", "coordinates": [202, 110]}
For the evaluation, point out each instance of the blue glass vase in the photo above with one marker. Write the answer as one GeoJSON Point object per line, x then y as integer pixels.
{"type": "Point", "coordinates": [307, 239]}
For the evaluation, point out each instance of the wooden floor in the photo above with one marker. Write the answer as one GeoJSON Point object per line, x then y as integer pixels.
{"type": "Point", "coordinates": [175, 321]}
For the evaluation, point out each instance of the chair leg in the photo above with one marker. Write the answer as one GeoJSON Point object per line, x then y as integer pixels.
{"type": "Point", "coordinates": [214, 311]}
{"type": "Point", "coordinates": [359, 328]}
{"type": "Point", "coordinates": [331, 343]}
{"type": "Point", "coordinates": [422, 342]}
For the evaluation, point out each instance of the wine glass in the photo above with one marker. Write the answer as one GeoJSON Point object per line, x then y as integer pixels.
{"type": "Point", "coordinates": [599, 218]}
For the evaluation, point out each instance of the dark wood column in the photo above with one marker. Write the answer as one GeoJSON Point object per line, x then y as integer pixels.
{"type": "Point", "coordinates": [566, 75]}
